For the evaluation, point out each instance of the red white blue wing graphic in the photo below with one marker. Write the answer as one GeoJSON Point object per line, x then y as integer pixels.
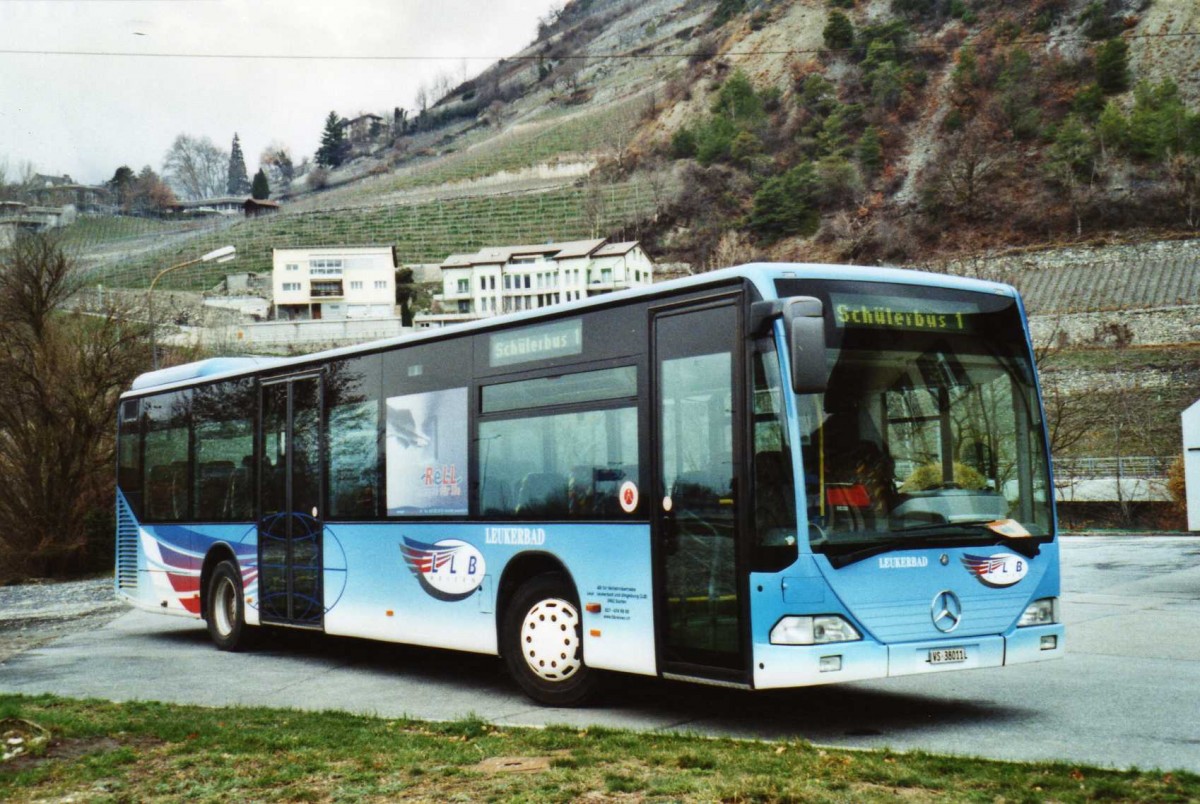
{"type": "Point", "coordinates": [981, 566]}
{"type": "Point", "coordinates": [424, 558]}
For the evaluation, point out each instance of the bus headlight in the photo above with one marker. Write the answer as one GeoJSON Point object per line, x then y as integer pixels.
{"type": "Point", "coordinates": [819, 630]}
{"type": "Point", "coordinates": [1040, 612]}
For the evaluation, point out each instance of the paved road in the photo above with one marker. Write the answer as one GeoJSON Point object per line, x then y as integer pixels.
{"type": "Point", "coordinates": [1128, 692]}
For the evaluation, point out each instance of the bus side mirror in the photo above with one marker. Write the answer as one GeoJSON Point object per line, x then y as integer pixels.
{"type": "Point", "coordinates": [804, 323]}
{"type": "Point", "coordinates": [805, 326]}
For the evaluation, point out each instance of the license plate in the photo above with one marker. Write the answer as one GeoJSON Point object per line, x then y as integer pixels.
{"type": "Point", "coordinates": [947, 656]}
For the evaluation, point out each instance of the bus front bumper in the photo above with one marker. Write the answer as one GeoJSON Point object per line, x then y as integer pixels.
{"type": "Point", "coordinates": [779, 666]}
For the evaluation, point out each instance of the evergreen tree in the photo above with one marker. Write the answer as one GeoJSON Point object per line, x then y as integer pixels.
{"type": "Point", "coordinates": [238, 183]}
{"type": "Point", "coordinates": [839, 32]}
{"type": "Point", "coordinates": [261, 189]}
{"type": "Point", "coordinates": [334, 147]}
{"type": "Point", "coordinates": [870, 152]}
{"type": "Point", "coordinates": [786, 205]}
{"type": "Point", "coordinates": [1112, 66]}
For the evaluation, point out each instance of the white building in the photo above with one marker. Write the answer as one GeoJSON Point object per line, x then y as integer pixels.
{"type": "Point", "coordinates": [1191, 463]}
{"type": "Point", "coordinates": [510, 278]}
{"type": "Point", "coordinates": [334, 283]}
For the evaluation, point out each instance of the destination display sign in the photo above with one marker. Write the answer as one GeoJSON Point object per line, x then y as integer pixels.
{"type": "Point", "coordinates": [909, 315]}
{"type": "Point", "coordinates": [560, 339]}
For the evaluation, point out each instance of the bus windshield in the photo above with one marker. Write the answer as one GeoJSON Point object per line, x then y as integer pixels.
{"type": "Point", "coordinates": [930, 429]}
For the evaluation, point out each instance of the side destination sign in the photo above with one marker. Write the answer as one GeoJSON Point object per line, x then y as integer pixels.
{"type": "Point", "coordinates": [559, 339]}
{"type": "Point", "coordinates": [920, 315]}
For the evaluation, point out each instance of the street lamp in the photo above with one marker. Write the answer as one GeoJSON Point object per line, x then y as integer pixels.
{"type": "Point", "coordinates": [223, 254]}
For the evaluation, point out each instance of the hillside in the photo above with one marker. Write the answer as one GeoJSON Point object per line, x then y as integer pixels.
{"type": "Point", "coordinates": [902, 131]}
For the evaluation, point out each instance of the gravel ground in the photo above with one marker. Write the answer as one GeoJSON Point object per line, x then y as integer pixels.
{"type": "Point", "coordinates": [34, 614]}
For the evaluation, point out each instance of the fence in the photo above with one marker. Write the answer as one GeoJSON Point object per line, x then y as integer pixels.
{"type": "Point", "coordinates": [1131, 466]}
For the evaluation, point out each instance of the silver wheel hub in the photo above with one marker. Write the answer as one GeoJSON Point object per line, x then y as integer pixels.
{"type": "Point", "coordinates": [225, 607]}
{"type": "Point", "coordinates": [550, 640]}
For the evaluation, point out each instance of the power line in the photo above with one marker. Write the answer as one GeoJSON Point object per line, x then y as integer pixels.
{"type": "Point", "coordinates": [616, 55]}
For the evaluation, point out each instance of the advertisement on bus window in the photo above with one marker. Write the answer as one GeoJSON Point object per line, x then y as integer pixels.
{"type": "Point", "coordinates": [427, 453]}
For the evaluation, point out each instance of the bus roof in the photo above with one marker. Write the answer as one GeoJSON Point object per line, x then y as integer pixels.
{"type": "Point", "coordinates": [761, 275]}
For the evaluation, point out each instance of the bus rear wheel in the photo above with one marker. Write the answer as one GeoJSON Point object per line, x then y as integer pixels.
{"type": "Point", "coordinates": [226, 614]}
{"type": "Point", "coordinates": [543, 643]}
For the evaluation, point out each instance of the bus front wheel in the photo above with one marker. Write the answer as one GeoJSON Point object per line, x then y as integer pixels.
{"type": "Point", "coordinates": [226, 613]}
{"type": "Point", "coordinates": [543, 643]}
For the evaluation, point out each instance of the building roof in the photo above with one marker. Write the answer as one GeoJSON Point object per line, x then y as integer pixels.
{"type": "Point", "coordinates": [616, 249]}
{"type": "Point", "coordinates": [577, 248]}
{"type": "Point", "coordinates": [495, 255]}
{"type": "Point", "coordinates": [209, 202]}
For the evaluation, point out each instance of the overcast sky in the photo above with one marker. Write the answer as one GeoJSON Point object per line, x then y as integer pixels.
{"type": "Point", "coordinates": [86, 115]}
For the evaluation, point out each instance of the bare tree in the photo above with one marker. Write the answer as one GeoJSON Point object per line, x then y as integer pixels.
{"type": "Point", "coordinates": [61, 372]}
{"type": "Point", "coordinates": [196, 167]}
{"type": "Point", "coordinates": [972, 162]}
{"type": "Point", "coordinates": [1069, 419]}
{"type": "Point", "coordinates": [1183, 175]}
{"type": "Point", "coordinates": [595, 207]}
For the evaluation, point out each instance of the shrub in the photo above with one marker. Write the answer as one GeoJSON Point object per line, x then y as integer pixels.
{"type": "Point", "coordinates": [838, 182]}
{"type": "Point", "coordinates": [745, 147]}
{"type": "Point", "coordinates": [929, 476]}
{"type": "Point", "coordinates": [1089, 102]}
{"type": "Point", "coordinates": [1097, 22]}
{"type": "Point", "coordinates": [317, 178]}
{"type": "Point", "coordinates": [1177, 486]}
{"type": "Point", "coordinates": [683, 144]}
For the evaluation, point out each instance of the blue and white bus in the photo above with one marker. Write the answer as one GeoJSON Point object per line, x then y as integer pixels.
{"type": "Point", "coordinates": [761, 477]}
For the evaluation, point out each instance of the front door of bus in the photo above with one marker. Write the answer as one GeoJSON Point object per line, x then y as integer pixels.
{"type": "Point", "coordinates": [290, 530]}
{"type": "Point", "coordinates": [697, 407]}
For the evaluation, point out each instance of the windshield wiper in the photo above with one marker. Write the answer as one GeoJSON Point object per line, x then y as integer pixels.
{"type": "Point", "coordinates": [950, 534]}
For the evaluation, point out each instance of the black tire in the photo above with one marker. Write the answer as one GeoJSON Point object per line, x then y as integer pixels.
{"type": "Point", "coordinates": [226, 610]}
{"type": "Point", "coordinates": [550, 673]}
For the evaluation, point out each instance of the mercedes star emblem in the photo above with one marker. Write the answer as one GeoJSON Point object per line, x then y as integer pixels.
{"type": "Point", "coordinates": [946, 611]}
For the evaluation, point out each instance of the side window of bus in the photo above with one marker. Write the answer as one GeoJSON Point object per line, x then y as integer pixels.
{"type": "Point", "coordinates": [352, 390]}
{"type": "Point", "coordinates": [129, 455]}
{"type": "Point", "coordinates": [223, 417]}
{"type": "Point", "coordinates": [426, 429]}
{"type": "Point", "coordinates": [568, 464]}
{"type": "Point", "coordinates": [167, 482]}
{"type": "Point", "coordinates": [774, 484]}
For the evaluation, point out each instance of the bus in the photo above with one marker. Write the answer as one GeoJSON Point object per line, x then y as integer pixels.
{"type": "Point", "coordinates": [768, 476]}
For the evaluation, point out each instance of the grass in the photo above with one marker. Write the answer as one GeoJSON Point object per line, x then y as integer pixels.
{"type": "Point", "coordinates": [103, 751]}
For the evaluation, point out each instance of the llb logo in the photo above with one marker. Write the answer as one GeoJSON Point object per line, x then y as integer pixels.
{"type": "Point", "coordinates": [1002, 569]}
{"type": "Point", "coordinates": [449, 570]}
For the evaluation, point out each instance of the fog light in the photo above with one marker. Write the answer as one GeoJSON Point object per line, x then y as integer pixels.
{"type": "Point", "coordinates": [819, 630]}
{"type": "Point", "coordinates": [1040, 612]}
{"type": "Point", "coordinates": [1049, 642]}
{"type": "Point", "coordinates": [831, 663]}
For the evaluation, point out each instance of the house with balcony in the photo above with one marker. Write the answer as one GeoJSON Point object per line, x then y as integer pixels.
{"type": "Point", "coordinates": [506, 279]}
{"type": "Point", "coordinates": [62, 191]}
{"type": "Point", "coordinates": [310, 284]}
